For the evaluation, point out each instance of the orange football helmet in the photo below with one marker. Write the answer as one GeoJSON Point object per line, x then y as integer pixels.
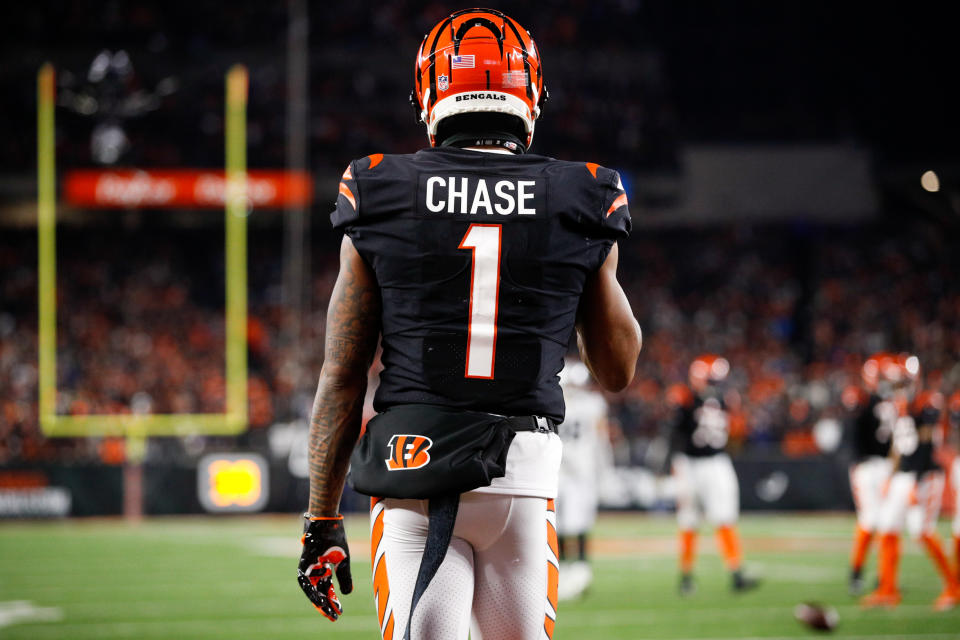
{"type": "Point", "coordinates": [478, 61]}
{"type": "Point", "coordinates": [706, 369]}
{"type": "Point", "coordinates": [884, 372]}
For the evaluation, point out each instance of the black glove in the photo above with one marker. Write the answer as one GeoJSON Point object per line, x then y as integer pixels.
{"type": "Point", "coordinates": [325, 551]}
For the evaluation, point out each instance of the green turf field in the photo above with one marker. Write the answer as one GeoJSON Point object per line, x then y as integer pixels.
{"type": "Point", "coordinates": [182, 578]}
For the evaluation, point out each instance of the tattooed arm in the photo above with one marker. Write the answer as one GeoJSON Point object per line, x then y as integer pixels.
{"type": "Point", "coordinates": [353, 326]}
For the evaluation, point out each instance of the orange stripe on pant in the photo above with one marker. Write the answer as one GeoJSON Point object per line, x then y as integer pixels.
{"type": "Point", "coordinates": [553, 572]}
{"type": "Point", "coordinates": [381, 584]}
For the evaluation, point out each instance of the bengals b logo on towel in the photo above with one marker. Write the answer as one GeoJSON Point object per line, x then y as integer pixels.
{"type": "Point", "coordinates": [408, 452]}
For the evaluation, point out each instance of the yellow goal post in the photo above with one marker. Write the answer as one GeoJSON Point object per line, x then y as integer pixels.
{"type": "Point", "coordinates": [138, 426]}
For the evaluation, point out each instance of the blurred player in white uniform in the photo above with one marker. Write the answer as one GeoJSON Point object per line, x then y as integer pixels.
{"type": "Point", "coordinates": [869, 438]}
{"type": "Point", "coordinates": [705, 479]}
{"type": "Point", "coordinates": [586, 451]}
{"type": "Point", "coordinates": [913, 496]}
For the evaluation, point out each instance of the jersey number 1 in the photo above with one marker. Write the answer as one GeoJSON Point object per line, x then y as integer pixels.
{"type": "Point", "coordinates": [484, 241]}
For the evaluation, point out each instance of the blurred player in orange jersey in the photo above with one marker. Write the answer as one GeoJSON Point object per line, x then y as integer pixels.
{"type": "Point", "coordinates": [953, 431]}
{"type": "Point", "coordinates": [869, 437]}
{"type": "Point", "coordinates": [705, 479]}
{"type": "Point", "coordinates": [916, 487]}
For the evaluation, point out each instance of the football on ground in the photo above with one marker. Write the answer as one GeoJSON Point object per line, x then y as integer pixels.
{"type": "Point", "coordinates": [817, 616]}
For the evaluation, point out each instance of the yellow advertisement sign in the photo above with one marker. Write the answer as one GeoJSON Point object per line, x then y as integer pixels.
{"type": "Point", "coordinates": [233, 482]}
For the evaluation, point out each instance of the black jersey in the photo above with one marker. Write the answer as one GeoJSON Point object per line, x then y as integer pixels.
{"type": "Point", "coordinates": [480, 259]}
{"type": "Point", "coordinates": [701, 426]}
{"type": "Point", "coordinates": [916, 435]}
{"type": "Point", "coordinates": [872, 429]}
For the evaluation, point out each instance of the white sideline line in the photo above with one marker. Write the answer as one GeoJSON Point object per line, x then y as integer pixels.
{"type": "Point", "coordinates": [24, 611]}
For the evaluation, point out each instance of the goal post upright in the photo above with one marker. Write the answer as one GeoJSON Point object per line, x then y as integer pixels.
{"type": "Point", "coordinates": [136, 427]}
{"type": "Point", "coordinates": [46, 248]}
{"type": "Point", "coordinates": [235, 254]}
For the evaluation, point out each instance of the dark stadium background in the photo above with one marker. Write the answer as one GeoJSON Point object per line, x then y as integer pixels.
{"type": "Point", "coordinates": [846, 106]}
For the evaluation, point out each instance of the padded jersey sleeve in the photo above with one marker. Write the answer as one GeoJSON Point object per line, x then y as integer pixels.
{"type": "Point", "coordinates": [347, 206]}
{"type": "Point", "coordinates": [614, 214]}
{"type": "Point", "coordinates": [595, 199]}
{"type": "Point", "coordinates": [372, 188]}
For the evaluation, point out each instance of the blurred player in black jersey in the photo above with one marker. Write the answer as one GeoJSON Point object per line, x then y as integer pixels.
{"type": "Point", "coordinates": [913, 495]}
{"type": "Point", "coordinates": [475, 263]}
{"type": "Point", "coordinates": [869, 439]}
{"type": "Point", "coordinates": [705, 479]}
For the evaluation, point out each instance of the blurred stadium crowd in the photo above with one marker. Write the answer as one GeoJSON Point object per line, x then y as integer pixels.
{"type": "Point", "coordinates": [796, 312]}
{"type": "Point", "coordinates": [795, 309]}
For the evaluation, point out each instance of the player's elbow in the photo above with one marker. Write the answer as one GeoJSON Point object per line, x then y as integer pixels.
{"type": "Point", "coordinates": [614, 380]}
{"type": "Point", "coordinates": [618, 376]}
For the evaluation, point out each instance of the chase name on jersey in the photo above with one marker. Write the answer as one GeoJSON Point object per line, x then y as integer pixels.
{"type": "Point", "coordinates": [479, 196]}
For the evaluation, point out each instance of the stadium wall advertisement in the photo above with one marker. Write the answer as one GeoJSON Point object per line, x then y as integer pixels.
{"type": "Point", "coordinates": [133, 188]}
{"type": "Point", "coordinates": [247, 483]}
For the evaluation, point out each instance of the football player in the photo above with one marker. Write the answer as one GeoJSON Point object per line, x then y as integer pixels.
{"type": "Point", "coordinates": [913, 420]}
{"type": "Point", "coordinates": [587, 451]}
{"type": "Point", "coordinates": [705, 480]}
{"type": "Point", "coordinates": [473, 262]}
{"type": "Point", "coordinates": [953, 427]}
{"type": "Point", "coordinates": [869, 438]}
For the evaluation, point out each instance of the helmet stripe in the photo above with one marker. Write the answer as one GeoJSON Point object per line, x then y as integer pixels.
{"type": "Point", "coordinates": [433, 61]}
{"type": "Point", "coordinates": [419, 79]}
{"type": "Point", "coordinates": [466, 25]}
{"type": "Point", "coordinates": [523, 49]}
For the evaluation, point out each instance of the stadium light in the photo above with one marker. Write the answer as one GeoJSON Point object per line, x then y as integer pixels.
{"type": "Point", "coordinates": [930, 181]}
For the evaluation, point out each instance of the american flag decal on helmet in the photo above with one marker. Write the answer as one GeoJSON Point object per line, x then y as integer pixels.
{"type": "Point", "coordinates": [462, 62]}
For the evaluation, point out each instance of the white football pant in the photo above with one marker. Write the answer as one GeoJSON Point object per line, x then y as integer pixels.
{"type": "Point", "coordinates": [707, 486]}
{"type": "Point", "coordinates": [913, 503]}
{"type": "Point", "coordinates": [498, 580]}
{"type": "Point", "coordinates": [868, 479]}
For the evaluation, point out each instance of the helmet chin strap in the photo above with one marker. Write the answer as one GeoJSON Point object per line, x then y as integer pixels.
{"type": "Point", "coordinates": [508, 141]}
